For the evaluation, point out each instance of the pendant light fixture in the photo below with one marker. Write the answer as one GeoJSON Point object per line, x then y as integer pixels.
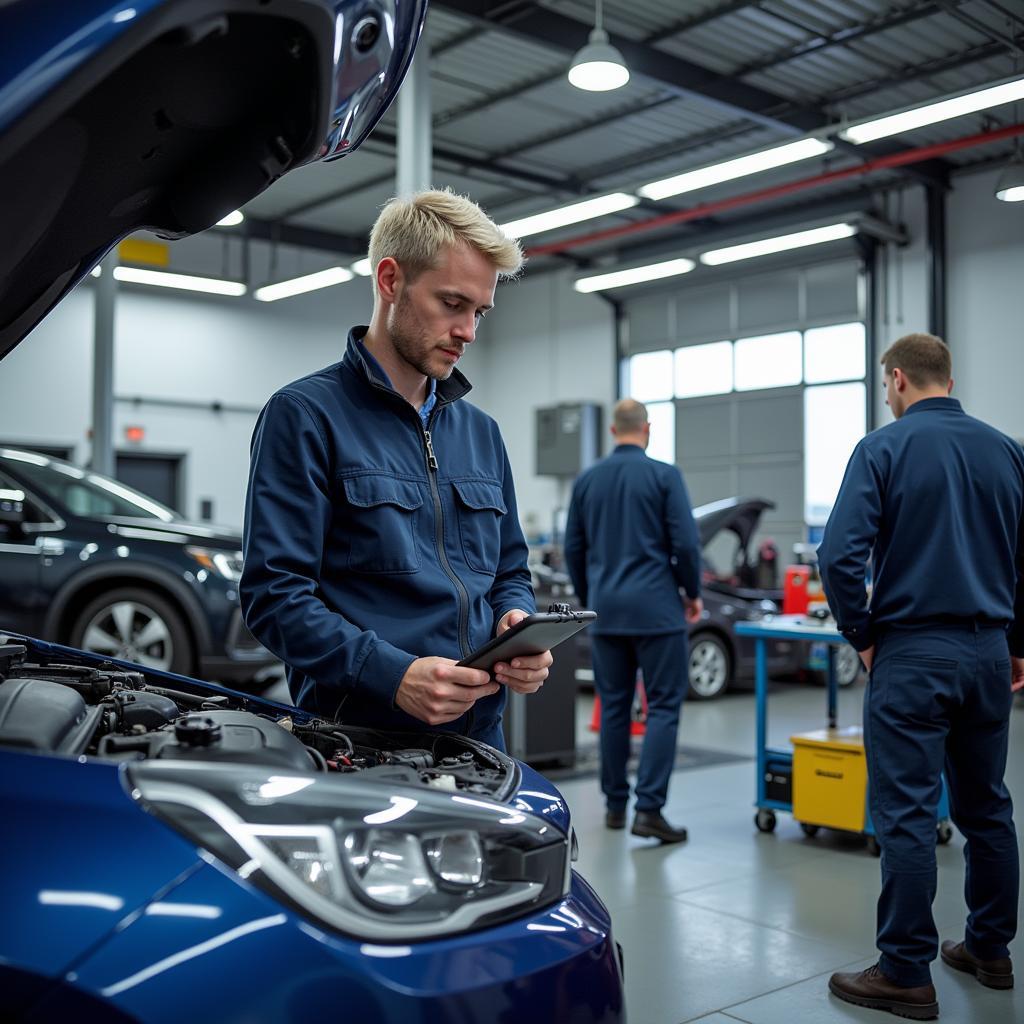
{"type": "Point", "coordinates": [598, 66]}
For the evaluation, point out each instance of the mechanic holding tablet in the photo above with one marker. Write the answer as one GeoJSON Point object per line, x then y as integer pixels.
{"type": "Point", "coordinates": [382, 541]}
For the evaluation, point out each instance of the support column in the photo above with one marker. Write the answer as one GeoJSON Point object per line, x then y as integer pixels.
{"type": "Point", "coordinates": [935, 204]}
{"type": "Point", "coordinates": [415, 132]}
{"type": "Point", "coordinates": [105, 296]}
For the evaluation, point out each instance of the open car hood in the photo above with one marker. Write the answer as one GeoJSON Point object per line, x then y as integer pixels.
{"type": "Point", "coordinates": [166, 115]}
{"type": "Point", "coordinates": [741, 515]}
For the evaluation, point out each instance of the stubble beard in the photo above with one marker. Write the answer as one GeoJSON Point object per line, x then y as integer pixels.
{"type": "Point", "coordinates": [411, 343]}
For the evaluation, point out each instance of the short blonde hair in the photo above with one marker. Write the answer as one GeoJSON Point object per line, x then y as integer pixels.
{"type": "Point", "coordinates": [414, 231]}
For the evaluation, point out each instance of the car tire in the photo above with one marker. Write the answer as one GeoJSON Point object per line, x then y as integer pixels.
{"type": "Point", "coordinates": [846, 665]}
{"type": "Point", "coordinates": [709, 666]}
{"type": "Point", "coordinates": [135, 624]}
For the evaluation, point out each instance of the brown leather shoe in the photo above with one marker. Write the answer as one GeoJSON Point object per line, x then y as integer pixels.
{"type": "Point", "coordinates": [615, 819]}
{"type": "Point", "coordinates": [652, 825]}
{"type": "Point", "coordinates": [871, 988]}
{"type": "Point", "coordinates": [991, 973]}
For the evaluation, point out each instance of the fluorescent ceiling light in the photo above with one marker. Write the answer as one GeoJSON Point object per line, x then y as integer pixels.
{"type": "Point", "coordinates": [163, 279]}
{"type": "Point", "coordinates": [931, 113]}
{"type": "Point", "coordinates": [727, 170]}
{"type": "Point", "coordinates": [621, 278]}
{"type": "Point", "coordinates": [781, 243]}
{"type": "Point", "coordinates": [231, 220]}
{"type": "Point", "coordinates": [573, 214]}
{"type": "Point", "coordinates": [308, 283]}
{"type": "Point", "coordinates": [362, 267]}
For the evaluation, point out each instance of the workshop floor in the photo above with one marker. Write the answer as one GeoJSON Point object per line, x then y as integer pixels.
{"type": "Point", "coordinates": [739, 926]}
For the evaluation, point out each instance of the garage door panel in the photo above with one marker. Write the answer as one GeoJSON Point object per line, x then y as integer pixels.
{"type": "Point", "coordinates": [770, 423]}
{"type": "Point", "coordinates": [703, 429]}
{"type": "Point", "coordinates": [781, 482]}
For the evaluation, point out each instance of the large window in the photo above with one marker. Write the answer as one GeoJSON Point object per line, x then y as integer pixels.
{"type": "Point", "coordinates": [771, 361]}
{"type": "Point", "coordinates": [704, 370]}
{"type": "Point", "coordinates": [835, 419]}
{"type": "Point", "coordinates": [834, 353]}
{"type": "Point", "coordinates": [662, 416]}
{"type": "Point", "coordinates": [830, 362]}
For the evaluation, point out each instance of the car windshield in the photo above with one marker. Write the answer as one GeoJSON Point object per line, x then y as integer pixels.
{"type": "Point", "coordinates": [80, 491]}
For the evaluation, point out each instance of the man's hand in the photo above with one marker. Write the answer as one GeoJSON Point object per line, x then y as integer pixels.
{"type": "Point", "coordinates": [526, 674]}
{"type": "Point", "coordinates": [437, 690]}
{"type": "Point", "coordinates": [1016, 674]}
{"type": "Point", "coordinates": [868, 656]}
{"type": "Point", "coordinates": [694, 609]}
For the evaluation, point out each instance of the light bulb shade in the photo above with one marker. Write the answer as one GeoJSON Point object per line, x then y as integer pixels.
{"type": "Point", "coordinates": [1010, 186]}
{"type": "Point", "coordinates": [598, 66]}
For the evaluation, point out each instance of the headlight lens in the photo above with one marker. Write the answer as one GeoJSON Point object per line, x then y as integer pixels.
{"type": "Point", "coordinates": [373, 860]}
{"type": "Point", "coordinates": [224, 563]}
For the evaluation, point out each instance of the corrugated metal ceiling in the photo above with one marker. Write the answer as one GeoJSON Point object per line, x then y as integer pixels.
{"type": "Point", "coordinates": [497, 96]}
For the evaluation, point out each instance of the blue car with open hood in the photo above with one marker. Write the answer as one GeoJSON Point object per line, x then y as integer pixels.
{"type": "Point", "coordinates": [174, 850]}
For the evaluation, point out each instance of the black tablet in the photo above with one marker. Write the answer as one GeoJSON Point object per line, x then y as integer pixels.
{"type": "Point", "coordinates": [533, 635]}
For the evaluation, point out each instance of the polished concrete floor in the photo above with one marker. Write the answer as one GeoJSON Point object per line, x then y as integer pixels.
{"type": "Point", "coordinates": [735, 925]}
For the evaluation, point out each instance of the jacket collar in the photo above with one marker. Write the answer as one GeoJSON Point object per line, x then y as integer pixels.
{"type": "Point", "coordinates": [628, 449]}
{"type": "Point", "coordinates": [936, 404]}
{"type": "Point", "coordinates": [455, 387]}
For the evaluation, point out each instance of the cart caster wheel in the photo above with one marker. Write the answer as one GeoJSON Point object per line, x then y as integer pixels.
{"type": "Point", "coordinates": [765, 821]}
{"type": "Point", "coordinates": [943, 833]}
{"type": "Point", "coordinates": [873, 848]}
{"type": "Point", "coordinates": [810, 830]}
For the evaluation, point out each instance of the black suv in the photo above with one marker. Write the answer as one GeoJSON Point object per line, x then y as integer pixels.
{"type": "Point", "coordinates": [89, 562]}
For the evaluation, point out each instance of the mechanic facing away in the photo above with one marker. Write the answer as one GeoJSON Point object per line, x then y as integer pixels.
{"type": "Point", "coordinates": [936, 499]}
{"type": "Point", "coordinates": [630, 545]}
{"type": "Point", "coordinates": [382, 541]}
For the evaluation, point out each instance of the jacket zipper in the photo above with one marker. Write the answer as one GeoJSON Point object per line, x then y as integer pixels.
{"type": "Point", "coordinates": [442, 557]}
{"type": "Point", "coordinates": [460, 587]}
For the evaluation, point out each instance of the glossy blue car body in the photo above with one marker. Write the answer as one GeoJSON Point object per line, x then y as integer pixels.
{"type": "Point", "coordinates": [111, 914]}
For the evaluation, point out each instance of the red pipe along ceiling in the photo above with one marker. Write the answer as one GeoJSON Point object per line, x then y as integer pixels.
{"type": "Point", "coordinates": [909, 156]}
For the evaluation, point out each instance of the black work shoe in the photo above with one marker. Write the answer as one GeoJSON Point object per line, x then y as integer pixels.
{"type": "Point", "coordinates": [871, 988]}
{"type": "Point", "coordinates": [991, 973]}
{"type": "Point", "coordinates": [652, 825]}
{"type": "Point", "coordinates": [614, 819]}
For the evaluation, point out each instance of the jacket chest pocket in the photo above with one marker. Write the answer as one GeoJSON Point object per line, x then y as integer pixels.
{"type": "Point", "coordinates": [480, 508]}
{"type": "Point", "coordinates": [381, 524]}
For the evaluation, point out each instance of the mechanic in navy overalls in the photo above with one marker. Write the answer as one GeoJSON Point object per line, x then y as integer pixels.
{"type": "Point", "coordinates": [936, 500]}
{"type": "Point", "coordinates": [630, 547]}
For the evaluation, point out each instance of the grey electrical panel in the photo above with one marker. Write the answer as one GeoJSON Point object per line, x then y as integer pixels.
{"type": "Point", "coordinates": [568, 438]}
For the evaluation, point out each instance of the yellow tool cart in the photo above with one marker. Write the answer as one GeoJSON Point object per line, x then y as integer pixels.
{"type": "Point", "coordinates": [823, 781]}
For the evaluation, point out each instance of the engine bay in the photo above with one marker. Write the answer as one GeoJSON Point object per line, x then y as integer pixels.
{"type": "Point", "coordinates": [109, 712]}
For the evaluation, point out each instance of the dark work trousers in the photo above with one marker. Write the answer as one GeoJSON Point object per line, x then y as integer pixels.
{"type": "Point", "coordinates": [662, 658]}
{"type": "Point", "coordinates": [940, 699]}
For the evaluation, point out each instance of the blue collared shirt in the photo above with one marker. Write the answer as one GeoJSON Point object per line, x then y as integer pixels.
{"type": "Point", "coordinates": [426, 408]}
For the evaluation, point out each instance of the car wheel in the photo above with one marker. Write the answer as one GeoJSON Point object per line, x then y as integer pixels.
{"type": "Point", "coordinates": [135, 625]}
{"type": "Point", "coordinates": [846, 665]}
{"type": "Point", "coordinates": [710, 667]}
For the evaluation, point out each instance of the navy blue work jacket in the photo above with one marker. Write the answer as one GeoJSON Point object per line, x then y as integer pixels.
{"type": "Point", "coordinates": [936, 499]}
{"type": "Point", "coordinates": [372, 540]}
{"type": "Point", "coordinates": [631, 543]}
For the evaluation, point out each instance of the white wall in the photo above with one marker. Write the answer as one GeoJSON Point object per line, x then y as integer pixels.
{"type": "Point", "coordinates": [192, 349]}
{"type": "Point", "coordinates": [986, 302]}
{"type": "Point", "coordinates": [543, 344]}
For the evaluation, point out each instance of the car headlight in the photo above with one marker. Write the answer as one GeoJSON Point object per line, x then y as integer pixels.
{"type": "Point", "coordinates": [373, 859]}
{"type": "Point", "coordinates": [224, 563]}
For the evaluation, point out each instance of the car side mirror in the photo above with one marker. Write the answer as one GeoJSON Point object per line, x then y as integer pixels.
{"type": "Point", "coordinates": [12, 507]}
